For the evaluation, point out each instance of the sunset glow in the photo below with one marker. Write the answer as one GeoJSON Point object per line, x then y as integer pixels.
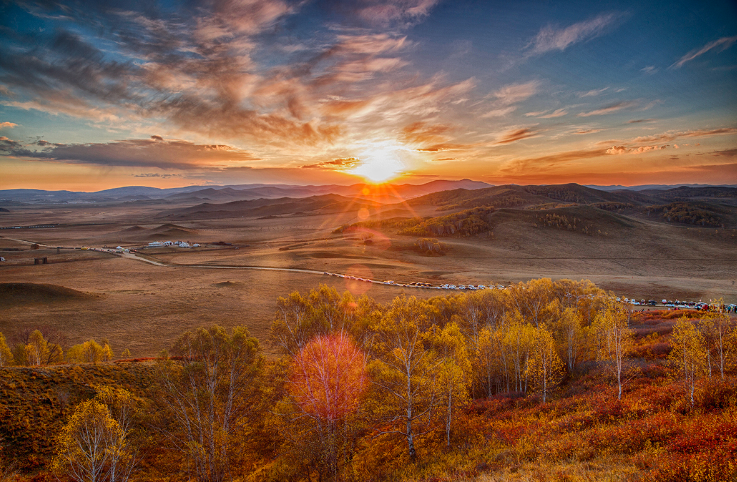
{"type": "Point", "coordinates": [380, 166]}
{"type": "Point", "coordinates": [317, 92]}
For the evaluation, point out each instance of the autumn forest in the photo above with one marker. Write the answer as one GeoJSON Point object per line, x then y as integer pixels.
{"type": "Point", "coordinates": [551, 380]}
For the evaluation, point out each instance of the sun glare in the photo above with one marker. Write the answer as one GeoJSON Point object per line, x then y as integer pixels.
{"type": "Point", "coordinates": [379, 166]}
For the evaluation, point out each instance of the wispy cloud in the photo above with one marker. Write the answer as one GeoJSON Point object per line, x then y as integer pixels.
{"type": "Point", "coordinates": [556, 113]}
{"type": "Point", "coordinates": [649, 70]}
{"type": "Point", "coordinates": [7, 125]}
{"type": "Point", "coordinates": [609, 109]}
{"type": "Point", "coordinates": [670, 136]}
{"type": "Point", "coordinates": [549, 38]}
{"type": "Point", "coordinates": [634, 150]}
{"type": "Point", "coordinates": [384, 12]}
{"type": "Point", "coordinates": [638, 121]}
{"type": "Point", "coordinates": [525, 165]}
{"type": "Point", "coordinates": [592, 93]}
{"type": "Point", "coordinates": [507, 96]}
{"type": "Point", "coordinates": [587, 131]}
{"type": "Point", "coordinates": [153, 152]}
{"type": "Point", "coordinates": [335, 165]}
{"type": "Point", "coordinates": [514, 93]}
{"type": "Point", "coordinates": [514, 135]}
{"type": "Point", "coordinates": [501, 112]}
{"type": "Point", "coordinates": [722, 43]}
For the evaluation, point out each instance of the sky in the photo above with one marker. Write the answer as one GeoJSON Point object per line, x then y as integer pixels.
{"type": "Point", "coordinates": [96, 94]}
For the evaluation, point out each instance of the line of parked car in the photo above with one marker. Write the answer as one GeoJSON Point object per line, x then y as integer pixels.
{"type": "Point", "coordinates": [677, 304]}
{"type": "Point", "coordinates": [417, 284]}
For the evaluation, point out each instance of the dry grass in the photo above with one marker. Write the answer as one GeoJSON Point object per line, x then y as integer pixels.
{"type": "Point", "coordinates": [143, 307]}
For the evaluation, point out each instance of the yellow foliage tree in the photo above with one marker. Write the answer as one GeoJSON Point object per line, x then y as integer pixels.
{"type": "Point", "coordinates": [92, 446]}
{"type": "Point", "coordinates": [453, 370]}
{"type": "Point", "coordinates": [36, 349]}
{"type": "Point", "coordinates": [614, 339]}
{"type": "Point", "coordinates": [212, 394]}
{"type": "Point", "coordinates": [688, 353]}
{"type": "Point", "coordinates": [517, 342]}
{"type": "Point", "coordinates": [6, 356]}
{"type": "Point", "coordinates": [716, 329]}
{"type": "Point", "coordinates": [403, 371]}
{"type": "Point", "coordinates": [545, 368]}
{"type": "Point", "coordinates": [89, 352]}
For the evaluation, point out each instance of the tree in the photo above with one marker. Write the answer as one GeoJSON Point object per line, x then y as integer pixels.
{"type": "Point", "coordinates": [517, 342]}
{"type": "Point", "coordinates": [572, 336]}
{"type": "Point", "coordinates": [403, 372]}
{"type": "Point", "coordinates": [614, 339]}
{"type": "Point", "coordinates": [6, 356]}
{"type": "Point", "coordinates": [328, 378]}
{"type": "Point", "coordinates": [89, 352]}
{"type": "Point", "coordinates": [688, 353]}
{"type": "Point", "coordinates": [211, 393]}
{"type": "Point", "coordinates": [486, 360]}
{"type": "Point", "coordinates": [36, 348]}
{"type": "Point", "coordinates": [716, 329]}
{"type": "Point", "coordinates": [92, 446]}
{"type": "Point", "coordinates": [545, 368]}
{"type": "Point", "coordinates": [452, 371]}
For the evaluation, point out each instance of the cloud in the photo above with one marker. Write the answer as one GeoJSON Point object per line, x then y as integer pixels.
{"type": "Point", "coordinates": [163, 154]}
{"type": "Point", "coordinates": [592, 93]}
{"type": "Point", "coordinates": [7, 125]}
{"type": "Point", "coordinates": [638, 121]}
{"type": "Point", "coordinates": [725, 153]}
{"type": "Point", "coordinates": [157, 175]}
{"type": "Point", "coordinates": [557, 113]}
{"type": "Point", "coordinates": [422, 133]}
{"type": "Point", "coordinates": [670, 136]}
{"type": "Point", "coordinates": [549, 39]}
{"type": "Point", "coordinates": [8, 145]}
{"type": "Point", "coordinates": [515, 93]}
{"type": "Point", "coordinates": [634, 150]}
{"type": "Point", "coordinates": [611, 108]}
{"type": "Point", "coordinates": [532, 163]}
{"type": "Point", "coordinates": [499, 112]}
{"type": "Point", "coordinates": [724, 43]}
{"type": "Point", "coordinates": [384, 12]}
{"type": "Point", "coordinates": [514, 135]}
{"type": "Point", "coordinates": [649, 70]}
{"type": "Point", "coordinates": [587, 131]}
{"type": "Point", "coordinates": [335, 165]}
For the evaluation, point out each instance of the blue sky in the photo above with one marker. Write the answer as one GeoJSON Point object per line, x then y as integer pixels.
{"type": "Point", "coordinates": [99, 94]}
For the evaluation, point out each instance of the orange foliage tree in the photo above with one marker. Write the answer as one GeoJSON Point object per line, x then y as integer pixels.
{"type": "Point", "coordinates": [328, 377]}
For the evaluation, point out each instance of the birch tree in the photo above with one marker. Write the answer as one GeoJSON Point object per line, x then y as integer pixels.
{"type": "Point", "coordinates": [688, 354]}
{"type": "Point", "coordinates": [92, 446]}
{"type": "Point", "coordinates": [210, 394]}
{"type": "Point", "coordinates": [403, 372]}
{"type": "Point", "coordinates": [545, 368]}
{"type": "Point", "coordinates": [614, 339]}
{"type": "Point", "coordinates": [6, 356]}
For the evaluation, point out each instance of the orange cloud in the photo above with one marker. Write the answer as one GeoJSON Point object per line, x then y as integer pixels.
{"type": "Point", "coordinates": [514, 135]}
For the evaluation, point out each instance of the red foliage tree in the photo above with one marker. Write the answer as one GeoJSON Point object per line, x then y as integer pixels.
{"type": "Point", "coordinates": [328, 377]}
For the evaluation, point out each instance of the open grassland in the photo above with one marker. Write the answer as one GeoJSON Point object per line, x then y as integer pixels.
{"type": "Point", "coordinates": [142, 307]}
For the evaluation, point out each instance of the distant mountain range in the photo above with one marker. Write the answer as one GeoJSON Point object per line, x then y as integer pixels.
{"type": "Point", "coordinates": [383, 193]}
{"type": "Point", "coordinates": [229, 193]}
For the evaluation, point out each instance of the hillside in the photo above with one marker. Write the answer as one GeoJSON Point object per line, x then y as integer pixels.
{"type": "Point", "coordinates": [504, 425]}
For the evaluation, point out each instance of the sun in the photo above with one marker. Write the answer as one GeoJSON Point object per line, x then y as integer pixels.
{"type": "Point", "coordinates": [379, 166]}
